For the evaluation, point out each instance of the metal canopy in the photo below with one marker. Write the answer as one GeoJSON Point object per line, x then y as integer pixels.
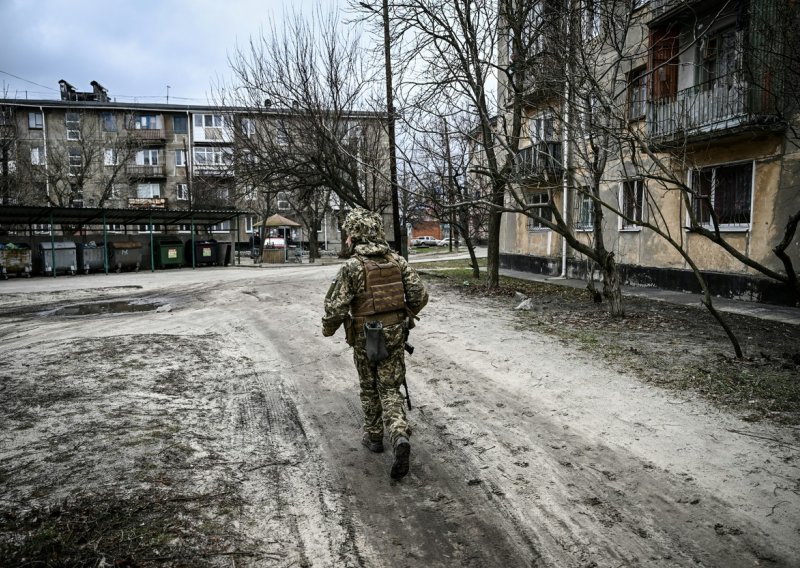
{"type": "Point", "coordinates": [29, 215]}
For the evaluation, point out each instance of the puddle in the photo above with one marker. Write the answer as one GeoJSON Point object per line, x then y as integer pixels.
{"type": "Point", "coordinates": [95, 308]}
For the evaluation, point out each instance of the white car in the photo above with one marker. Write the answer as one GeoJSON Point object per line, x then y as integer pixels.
{"type": "Point", "coordinates": [424, 241]}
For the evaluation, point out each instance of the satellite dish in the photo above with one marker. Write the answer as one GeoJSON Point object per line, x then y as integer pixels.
{"type": "Point", "coordinates": [267, 103]}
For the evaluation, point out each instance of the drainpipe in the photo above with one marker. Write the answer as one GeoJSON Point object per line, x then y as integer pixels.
{"type": "Point", "coordinates": [566, 156]}
{"type": "Point", "coordinates": [44, 157]}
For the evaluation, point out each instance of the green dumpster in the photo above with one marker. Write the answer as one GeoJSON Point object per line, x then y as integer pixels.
{"type": "Point", "coordinates": [169, 252]}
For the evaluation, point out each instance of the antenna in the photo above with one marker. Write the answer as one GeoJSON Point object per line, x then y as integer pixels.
{"type": "Point", "coordinates": [167, 94]}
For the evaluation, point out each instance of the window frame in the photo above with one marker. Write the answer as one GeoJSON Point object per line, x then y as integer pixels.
{"type": "Point", "coordinates": [182, 189]}
{"type": "Point", "coordinates": [723, 227]}
{"type": "Point", "coordinates": [638, 84]}
{"type": "Point", "coordinates": [185, 121]}
{"type": "Point", "coordinates": [72, 124]}
{"type": "Point", "coordinates": [35, 120]}
{"type": "Point", "coordinates": [533, 225]}
{"type": "Point", "coordinates": [150, 185]}
{"type": "Point", "coordinates": [74, 161]}
{"type": "Point", "coordinates": [625, 226]}
{"type": "Point", "coordinates": [108, 121]}
{"type": "Point", "coordinates": [180, 158]}
{"type": "Point", "coordinates": [584, 216]}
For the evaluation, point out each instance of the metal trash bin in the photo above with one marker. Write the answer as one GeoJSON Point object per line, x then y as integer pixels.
{"type": "Point", "coordinates": [124, 255]}
{"type": "Point", "coordinates": [205, 252]}
{"type": "Point", "coordinates": [16, 258]}
{"type": "Point", "coordinates": [58, 257]}
{"type": "Point", "coordinates": [169, 252]}
{"type": "Point", "coordinates": [91, 257]}
{"type": "Point", "coordinates": [223, 253]}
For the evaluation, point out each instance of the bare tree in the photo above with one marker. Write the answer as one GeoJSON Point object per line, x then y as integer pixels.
{"type": "Point", "coordinates": [305, 96]}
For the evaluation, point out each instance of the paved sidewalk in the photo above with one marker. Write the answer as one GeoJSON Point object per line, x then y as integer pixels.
{"type": "Point", "coordinates": [783, 314]}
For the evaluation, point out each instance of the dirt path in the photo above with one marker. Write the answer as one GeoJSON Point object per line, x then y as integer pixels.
{"type": "Point", "coordinates": [525, 451]}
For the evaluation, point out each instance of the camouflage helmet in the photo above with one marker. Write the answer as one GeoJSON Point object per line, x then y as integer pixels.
{"type": "Point", "coordinates": [364, 225]}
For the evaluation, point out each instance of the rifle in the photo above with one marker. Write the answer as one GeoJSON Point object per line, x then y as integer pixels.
{"type": "Point", "coordinates": [410, 350]}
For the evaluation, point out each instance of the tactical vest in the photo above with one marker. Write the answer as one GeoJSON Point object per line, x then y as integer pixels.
{"type": "Point", "coordinates": [383, 297]}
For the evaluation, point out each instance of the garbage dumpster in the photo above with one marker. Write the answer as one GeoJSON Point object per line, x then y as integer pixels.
{"type": "Point", "coordinates": [205, 252]}
{"type": "Point", "coordinates": [58, 257]}
{"type": "Point", "coordinates": [224, 253]}
{"type": "Point", "coordinates": [91, 257]}
{"type": "Point", "coordinates": [169, 252]}
{"type": "Point", "coordinates": [124, 255]}
{"type": "Point", "coordinates": [15, 258]}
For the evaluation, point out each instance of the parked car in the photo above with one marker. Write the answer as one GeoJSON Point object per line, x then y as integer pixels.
{"type": "Point", "coordinates": [424, 241]}
{"type": "Point", "coordinates": [446, 243]}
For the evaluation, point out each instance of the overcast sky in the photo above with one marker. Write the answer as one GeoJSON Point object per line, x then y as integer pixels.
{"type": "Point", "coordinates": [134, 48]}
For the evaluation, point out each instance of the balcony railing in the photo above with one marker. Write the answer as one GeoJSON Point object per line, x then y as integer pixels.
{"type": "Point", "coordinates": [540, 160]}
{"type": "Point", "coordinates": [148, 133]}
{"type": "Point", "coordinates": [704, 108]}
{"type": "Point", "coordinates": [217, 170]}
{"type": "Point", "coordinates": [136, 170]}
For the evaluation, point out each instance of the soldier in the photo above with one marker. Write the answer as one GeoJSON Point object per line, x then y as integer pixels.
{"type": "Point", "coordinates": [376, 295]}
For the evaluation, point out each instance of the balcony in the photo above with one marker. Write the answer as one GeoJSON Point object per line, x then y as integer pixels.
{"type": "Point", "coordinates": [540, 161]}
{"type": "Point", "coordinates": [147, 203]}
{"type": "Point", "coordinates": [149, 134]}
{"type": "Point", "coordinates": [140, 171]}
{"type": "Point", "coordinates": [708, 109]}
{"type": "Point", "coordinates": [213, 170]}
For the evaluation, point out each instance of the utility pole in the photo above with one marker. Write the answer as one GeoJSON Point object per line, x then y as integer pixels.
{"type": "Point", "coordinates": [399, 231]}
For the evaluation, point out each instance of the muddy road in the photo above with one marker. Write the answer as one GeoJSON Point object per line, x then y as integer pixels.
{"type": "Point", "coordinates": [206, 406]}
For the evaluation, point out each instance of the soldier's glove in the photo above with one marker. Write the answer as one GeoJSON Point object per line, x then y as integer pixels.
{"type": "Point", "coordinates": [329, 329]}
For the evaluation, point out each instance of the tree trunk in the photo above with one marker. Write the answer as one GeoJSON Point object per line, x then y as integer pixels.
{"type": "Point", "coordinates": [476, 270]}
{"type": "Point", "coordinates": [611, 287]}
{"type": "Point", "coordinates": [313, 246]}
{"type": "Point", "coordinates": [493, 251]}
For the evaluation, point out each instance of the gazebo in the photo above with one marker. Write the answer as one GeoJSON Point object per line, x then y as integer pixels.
{"type": "Point", "coordinates": [273, 255]}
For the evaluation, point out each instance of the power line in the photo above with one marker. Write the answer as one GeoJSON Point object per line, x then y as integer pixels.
{"type": "Point", "coordinates": [27, 81]}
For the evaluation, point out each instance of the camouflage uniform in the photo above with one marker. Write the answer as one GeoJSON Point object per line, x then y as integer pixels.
{"type": "Point", "coordinates": [381, 400]}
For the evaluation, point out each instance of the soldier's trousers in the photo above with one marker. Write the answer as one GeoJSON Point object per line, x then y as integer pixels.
{"type": "Point", "coordinates": [381, 400]}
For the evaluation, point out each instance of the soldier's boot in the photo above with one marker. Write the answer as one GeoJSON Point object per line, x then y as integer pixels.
{"type": "Point", "coordinates": [402, 454]}
{"type": "Point", "coordinates": [372, 445]}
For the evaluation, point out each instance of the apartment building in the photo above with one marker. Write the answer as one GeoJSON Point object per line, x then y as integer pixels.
{"type": "Point", "coordinates": [680, 118]}
{"type": "Point", "coordinates": [87, 151]}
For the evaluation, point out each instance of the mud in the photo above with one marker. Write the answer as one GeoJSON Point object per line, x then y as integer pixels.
{"type": "Point", "coordinates": [226, 432]}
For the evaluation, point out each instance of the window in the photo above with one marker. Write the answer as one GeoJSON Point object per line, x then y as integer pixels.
{"type": "Point", "coordinates": [147, 228]}
{"type": "Point", "coordinates": [725, 190]}
{"type": "Point", "coordinates": [719, 58]}
{"type": "Point", "coordinates": [147, 157]}
{"type": "Point", "coordinates": [76, 199]}
{"type": "Point", "coordinates": [147, 122]}
{"type": "Point", "coordinates": [637, 94]}
{"type": "Point", "coordinates": [224, 227]}
{"type": "Point", "coordinates": [248, 127]}
{"type": "Point", "coordinates": [115, 228]}
{"type": "Point", "coordinates": [207, 156]}
{"type": "Point", "coordinates": [148, 190]}
{"type": "Point", "coordinates": [180, 124]}
{"type": "Point", "coordinates": [35, 120]}
{"type": "Point", "coordinates": [208, 120]}
{"type": "Point", "coordinates": [591, 18]}
{"type": "Point", "coordinates": [75, 161]}
{"type": "Point", "coordinates": [37, 156]}
{"type": "Point", "coordinates": [632, 203]}
{"type": "Point", "coordinates": [282, 202]}
{"type": "Point", "coordinates": [108, 122]}
{"type": "Point", "coordinates": [281, 134]}
{"type": "Point", "coordinates": [117, 190]}
{"type": "Point", "coordinates": [539, 205]}
{"type": "Point", "coordinates": [182, 192]}
{"type": "Point", "coordinates": [585, 219]}
{"type": "Point", "coordinates": [180, 158]}
{"type": "Point", "coordinates": [110, 157]}
{"type": "Point", "coordinates": [248, 223]}
{"type": "Point", "coordinates": [73, 123]}
{"type": "Point", "coordinates": [5, 117]}
{"type": "Point", "coordinates": [185, 228]}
